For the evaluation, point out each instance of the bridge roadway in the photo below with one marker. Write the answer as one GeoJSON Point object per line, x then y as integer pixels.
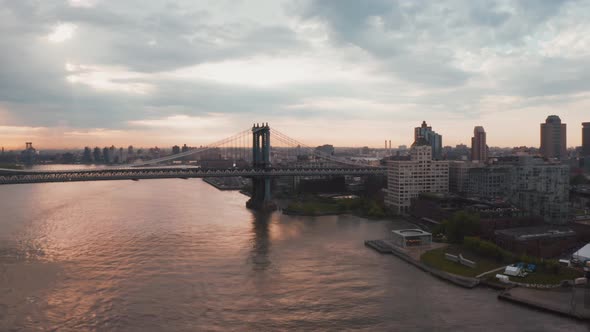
{"type": "Point", "coordinates": [138, 173]}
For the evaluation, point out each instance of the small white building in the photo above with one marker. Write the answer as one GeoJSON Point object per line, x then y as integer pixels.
{"type": "Point", "coordinates": [405, 238]}
{"type": "Point", "coordinates": [514, 271]}
{"type": "Point", "coordinates": [583, 254]}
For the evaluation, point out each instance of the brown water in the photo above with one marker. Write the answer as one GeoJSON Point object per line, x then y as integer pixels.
{"type": "Point", "coordinates": [178, 255]}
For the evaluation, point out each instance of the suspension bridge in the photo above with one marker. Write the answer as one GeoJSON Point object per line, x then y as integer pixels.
{"type": "Point", "coordinates": [248, 154]}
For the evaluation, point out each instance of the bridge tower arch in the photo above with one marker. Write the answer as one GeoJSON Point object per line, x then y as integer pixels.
{"type": "Point", "coordinates": [261, 185]}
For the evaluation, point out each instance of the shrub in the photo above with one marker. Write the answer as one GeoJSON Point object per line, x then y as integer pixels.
{"type": "Point", "coordinates": [487, 249]}
{"type": "Point", "coordinates": [552, 266]}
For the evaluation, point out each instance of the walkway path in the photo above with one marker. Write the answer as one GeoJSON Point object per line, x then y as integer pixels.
{"type": "Point", "coordinates": [490, 271]}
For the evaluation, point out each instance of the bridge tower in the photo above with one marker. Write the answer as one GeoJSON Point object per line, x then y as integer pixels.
{"type": "Point", "coordinates": [261, 195]}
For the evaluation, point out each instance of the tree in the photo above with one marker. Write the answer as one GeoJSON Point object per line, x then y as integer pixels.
{"type": "Point", "coordinates": [578, 180]}
{"type": "Point", "coordinates": [460, 225]}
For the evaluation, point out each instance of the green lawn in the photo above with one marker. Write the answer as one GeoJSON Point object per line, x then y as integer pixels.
{"type": "Point", "coordinates": [544, 277]}
{"type": "Point", "coordinates": [436, 258]}
{"type": "Point", "coordinates": [10, 166]}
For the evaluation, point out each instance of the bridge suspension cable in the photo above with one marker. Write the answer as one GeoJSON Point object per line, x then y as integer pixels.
{"type": "Point", "coordinates": [294, 143]}
{"type": "Point", "coordinates": [226, 145]}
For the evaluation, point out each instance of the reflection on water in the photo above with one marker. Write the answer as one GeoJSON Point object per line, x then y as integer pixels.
{"type": "Point", "coordinates": [260, 241]}
{"type": "Point", "coordinates": [178, 255]}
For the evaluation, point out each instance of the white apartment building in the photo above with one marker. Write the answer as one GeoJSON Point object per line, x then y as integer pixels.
{"type": "Point", "coordinates": [406, 179]}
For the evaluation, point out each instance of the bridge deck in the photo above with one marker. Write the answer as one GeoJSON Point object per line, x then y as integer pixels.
{"type": "Point", "coordinates": [131, 173]}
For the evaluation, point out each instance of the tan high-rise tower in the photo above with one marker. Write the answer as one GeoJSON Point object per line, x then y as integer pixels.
{"type": "Point", "coordinates": [553, 138]}
{"type": "Point", "coordinates": [479, 148]}
{"type": "Point", "coordinates": [586, 139]}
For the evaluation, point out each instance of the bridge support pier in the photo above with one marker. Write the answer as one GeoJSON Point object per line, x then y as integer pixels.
{"type": "Point", "coordinates": [261, 186]}
{"type": "Point", "coordinates": [261, 195]}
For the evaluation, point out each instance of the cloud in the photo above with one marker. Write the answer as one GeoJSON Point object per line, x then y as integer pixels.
{"type": "Point", "coordinates": [107, 70]}
{"type": "Point", "coordinates": [83, 3]}
{"type": "Point", "coordinates": [107, 78]}
{"type": "Point", "coordinates": [271, 72]}
{"type": "Point", "coordinates": [93, 133]}
{"type": "Point", "coordinates": [183, 122]}
{"type": "Point", "coordinates": [62, 32]}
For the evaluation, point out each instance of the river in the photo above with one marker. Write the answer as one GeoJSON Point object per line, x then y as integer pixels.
{"type": "Point", "coordinates": [179, 255]}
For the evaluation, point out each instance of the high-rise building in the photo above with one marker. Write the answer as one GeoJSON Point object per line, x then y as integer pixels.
{"type": "Point", "coordinates": [586, 139]}
{"type": "Point", "coordinates": [29, 154]}
{"type": "Point", "coordinates": [433, 139]}
{"type": "Point", "coordinates": [479, 148]}
{"type": "Point", "coordinates": [87, 155]}
{"type": "Point", "coordinates": [106, 157]}
{"type": "Point", "coordinates": [97, 155]}
{"type": "Point", "coordinates": [541, 188]}
{"type": "Point", "coordinates": [406, 179]}
{"type": "Point", "coordinates": [553, 138]}
{"type": "Point", "coordinates": [537, 187]}
{"type": "Point", "coordinates": [327, 149]}
{"type": "Point", "coordinates": [459, 175]}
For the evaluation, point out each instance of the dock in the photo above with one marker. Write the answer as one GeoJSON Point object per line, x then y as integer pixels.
{"type": "Point", "coordinates": [380, 246]}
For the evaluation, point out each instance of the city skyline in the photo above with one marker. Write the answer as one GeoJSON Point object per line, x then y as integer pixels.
{"type": "Point", "coordinates": [90, 72]}
{"type": "Point", "coordinates": [314, 165]}
{"type": "Point", "coordinates": [171, 143]}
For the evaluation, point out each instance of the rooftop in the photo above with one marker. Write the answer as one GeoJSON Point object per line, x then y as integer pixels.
{"type": "Point", "coordinates": [421, 141]}
{"type": "Point", "coordinates": [529, 233]}
{"type": "Point", "coordinates": [410, 232]}
{"type": "Point", "coordinates": [553, 119]}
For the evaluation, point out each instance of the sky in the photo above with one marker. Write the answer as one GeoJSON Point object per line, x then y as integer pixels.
{"type": "Point", "coordinates": [342, 72]}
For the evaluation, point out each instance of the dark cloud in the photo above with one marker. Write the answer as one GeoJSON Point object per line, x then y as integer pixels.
{"type": "Point", "coordinates": [437, 55]}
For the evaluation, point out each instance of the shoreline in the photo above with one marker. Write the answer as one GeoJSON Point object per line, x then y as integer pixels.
{"type": "Point", "coordinates": [552, 300]}
{"type": "Point", "coordinates": [384, 248]}
{"type": "Point", "coordinates": [526, 297]}
{"type": "Point", "coordinates": [222, 187]}
{"type": "Point", "coordinates": [315, 214]}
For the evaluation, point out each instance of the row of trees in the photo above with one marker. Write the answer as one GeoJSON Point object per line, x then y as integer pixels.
{"type": "Point", "coordinates": [491, 250]}
{"type": "Point", "coordinates": [365, 206]}
{"type": "Point", "coordinates": [460, 225]}
{"type": "Point", "coordinates": [315, 205]}
{"type": "Point", "coordinates": [464, 228]}
{"type": "Point", "coordinates": [579, 179]}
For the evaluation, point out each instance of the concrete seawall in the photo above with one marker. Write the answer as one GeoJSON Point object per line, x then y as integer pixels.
{"type": "Point", "coordinates": [564, 302]}
{"type": "Point", "coordinates": [385, 248]}
{"type": "Point", "coordinates": [569, 302]}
